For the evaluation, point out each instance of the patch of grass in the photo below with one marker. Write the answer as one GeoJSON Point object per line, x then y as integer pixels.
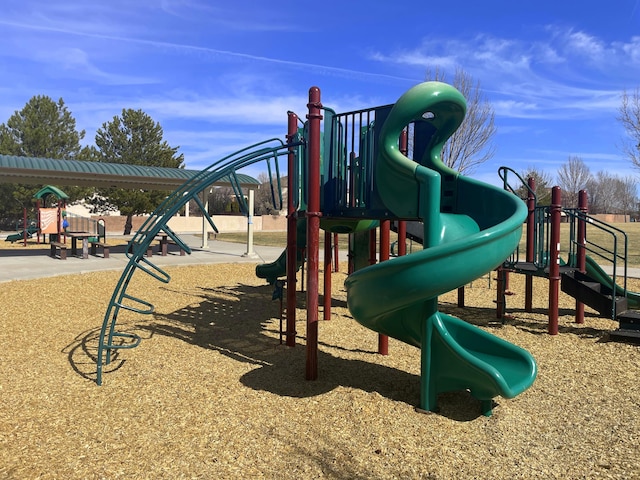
{"type": "Point", "coordinates": [594, 236]}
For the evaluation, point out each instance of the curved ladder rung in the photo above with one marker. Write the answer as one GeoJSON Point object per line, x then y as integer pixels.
{"type": "Point", "coordinates": [176, 239]}
{"type": "Point", "coordinates": [131, 308]}
{"type": "Point", "coordinates": [137, 339]}
{"type": "Point", "coordinates": [164, 277]}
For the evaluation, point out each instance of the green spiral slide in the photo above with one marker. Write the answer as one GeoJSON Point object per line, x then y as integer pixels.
{"type": "Point", "coordinates": [469, 229]}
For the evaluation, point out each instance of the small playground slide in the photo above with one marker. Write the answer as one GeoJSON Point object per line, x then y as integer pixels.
{"type": "Point", "coordinates": [278, 268]}
{"type": "Point", "coordinates": [15, 237]}
{"type": "Point", "coordinates": [274, 270]}
{"type": "Point", "coordinates": [481, 228]}
{"type": "Point", "coordinates": [596, 272]}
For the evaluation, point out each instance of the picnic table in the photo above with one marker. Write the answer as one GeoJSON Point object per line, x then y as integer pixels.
{"type": "Point", "coordinates": [84, 236]}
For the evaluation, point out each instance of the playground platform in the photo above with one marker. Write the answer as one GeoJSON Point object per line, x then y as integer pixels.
{"type": "Point", "coordinates": [17, 264]}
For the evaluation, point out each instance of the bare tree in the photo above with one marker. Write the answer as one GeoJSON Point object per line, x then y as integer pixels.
{"type": "Point", "coordinates": [627, 196]}
{"type": "Point", "coordinates": [471, 144]}
{"type": "Point", "coordinates": [629, 116]}
{"type": "Point", "coordinates": [573, 176]}
{"type": "Point", "coordinates": [613, 194]}
{"type": "Point", "coordinates": [267, 201]}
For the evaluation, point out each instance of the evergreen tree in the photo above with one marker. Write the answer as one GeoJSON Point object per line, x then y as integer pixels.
{"type": "Point", "coordinates": [43, 128]}
{"type": "Point", "coordinates": [134, 138]}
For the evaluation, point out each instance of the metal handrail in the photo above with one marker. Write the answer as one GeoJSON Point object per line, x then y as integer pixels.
{"type": "Point", "coordinates": [506, 184]}
{"type": "Point", "coordinates": [611, 255]}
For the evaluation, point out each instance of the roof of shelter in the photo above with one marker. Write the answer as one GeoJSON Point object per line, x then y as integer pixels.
{"type": "Point", "coordinates": [32, 170]}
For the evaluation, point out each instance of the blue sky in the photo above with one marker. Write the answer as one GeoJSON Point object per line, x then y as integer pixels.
{"type": "Point", "coordinates": [219, 76]}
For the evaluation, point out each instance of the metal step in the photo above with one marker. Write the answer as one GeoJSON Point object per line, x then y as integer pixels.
{"type": "Point", "coordinates": [629, 320]}
{"type": "Point", "coordinates": [592, 293]}
{"type": "Point", "coordinates": [623, 334]}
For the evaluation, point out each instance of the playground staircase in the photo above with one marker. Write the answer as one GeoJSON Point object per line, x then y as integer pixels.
{"type": "Point", "coordinates": [593, 293]}
{"type": "Point", "coordinates": [589, 285]}
{"type": "Point", "coordinates": [603, 299]}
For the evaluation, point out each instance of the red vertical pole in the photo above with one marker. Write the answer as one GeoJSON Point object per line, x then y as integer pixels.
{"type": "Point", "coordinates": [529, 252]}
{"type": "Point", "coordinates": [461, 296]}
{"type": "Point", "coordinates": [327, 276]}
{"type": "Point", "coordinates": [39, 224]}
{"type": "Point", "coordinates": [500, 307]}
{"type": "Point", "coordinates": [555, 210]}
{"type": "Point", "coordinates": [385, 227]}
{"type": "Point", "coordinates": [292, 222]}
{"type": "Point", "coordinates": [24, 224]}
{"type": "Point", "coordinates": [313, 231]}
{"type": "Point", "coordinates": [373, 244]}
{"type": "Point", "coordinates": [581, 256]}
{"type": "Point", "coordinates": [402, 237]}
{"type": "Point", "coordinates": [336, 254]}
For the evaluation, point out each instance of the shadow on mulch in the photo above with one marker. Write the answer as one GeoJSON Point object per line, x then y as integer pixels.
{"type": "Point", "coordinates": [237, 322]}
{"type": "Point", "coordinates": [518, 317]}
{"type": "Point", "coordinates": [82, 352]}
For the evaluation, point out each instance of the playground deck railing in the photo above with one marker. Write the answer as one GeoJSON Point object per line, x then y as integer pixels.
{"type": "Point", "coordinates": [604, 241]}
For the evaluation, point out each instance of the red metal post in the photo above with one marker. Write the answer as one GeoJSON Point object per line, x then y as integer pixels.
{"type": "Point", "coordinates": [385, 227]}
{"type": "Point", "coordinates": [581, 256]}
{"type": "Point", "coordinates": [327, 276]}
{"type": "Point", "coordinates": [24, 224]}
{"type": "Point", "coordinates": [500, 308]}
{"type": "Point", "coordinates": [292, 247]}
{"type": "Point", "coordinates": [529, 249]}
{"type": "Point", "coordinates": [39, 224]}
{"type": "Point", "coordinates": [555, 210]}
{"type": "Point", "coordinates": [313, 231]}
{"type": "Point", "coordinates": [373, 247]}
{"type": "Point", "coordinates": [461, 296]}
{"type": "Point", "coordinates": [336, 254]}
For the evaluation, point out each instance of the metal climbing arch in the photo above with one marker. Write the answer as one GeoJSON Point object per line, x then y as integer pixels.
{"type": "Point", "coordinates": [110, 339]}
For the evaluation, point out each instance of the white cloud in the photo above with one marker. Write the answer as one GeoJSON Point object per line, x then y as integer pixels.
{"type": "Point", "coordinates": [569, 73]}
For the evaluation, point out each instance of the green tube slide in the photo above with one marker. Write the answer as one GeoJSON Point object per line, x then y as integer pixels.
{"type": "Point", "coordinates": [481, 227]}
{"type": "Point", "coordinates": [274, 270]}
{"type": "Point", "coordinates": [278, 268]}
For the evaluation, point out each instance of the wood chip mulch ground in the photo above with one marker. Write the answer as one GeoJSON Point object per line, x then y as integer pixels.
{"type": "Point", "coordinates": [211, 393]}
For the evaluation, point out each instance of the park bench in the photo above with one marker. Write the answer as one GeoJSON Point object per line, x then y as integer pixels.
{"type": "Point", "coordinates": [182, 252]}
{"type": "Point", "coordinates": [55, 246]}
{"type": "Point", "coordinates": [104, 246]}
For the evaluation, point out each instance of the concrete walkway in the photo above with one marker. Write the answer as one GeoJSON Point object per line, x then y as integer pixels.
{"type": "Point", "coordinates": [18, 264]}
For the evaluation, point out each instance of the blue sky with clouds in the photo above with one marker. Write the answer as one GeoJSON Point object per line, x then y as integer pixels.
{"type": "Point", "coordinates": [219, 76]}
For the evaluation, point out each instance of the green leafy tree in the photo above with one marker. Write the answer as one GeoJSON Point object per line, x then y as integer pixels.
{"type": "Point", "coordinates": [543, 184]}
{"type": "Point", "coordinates": [134, 138]}
{"type": "Point", "coordinates": [43, 128]}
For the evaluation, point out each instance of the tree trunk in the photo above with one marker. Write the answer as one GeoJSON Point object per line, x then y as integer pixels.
{"type": "Point", "coordinates": [128, 225]}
